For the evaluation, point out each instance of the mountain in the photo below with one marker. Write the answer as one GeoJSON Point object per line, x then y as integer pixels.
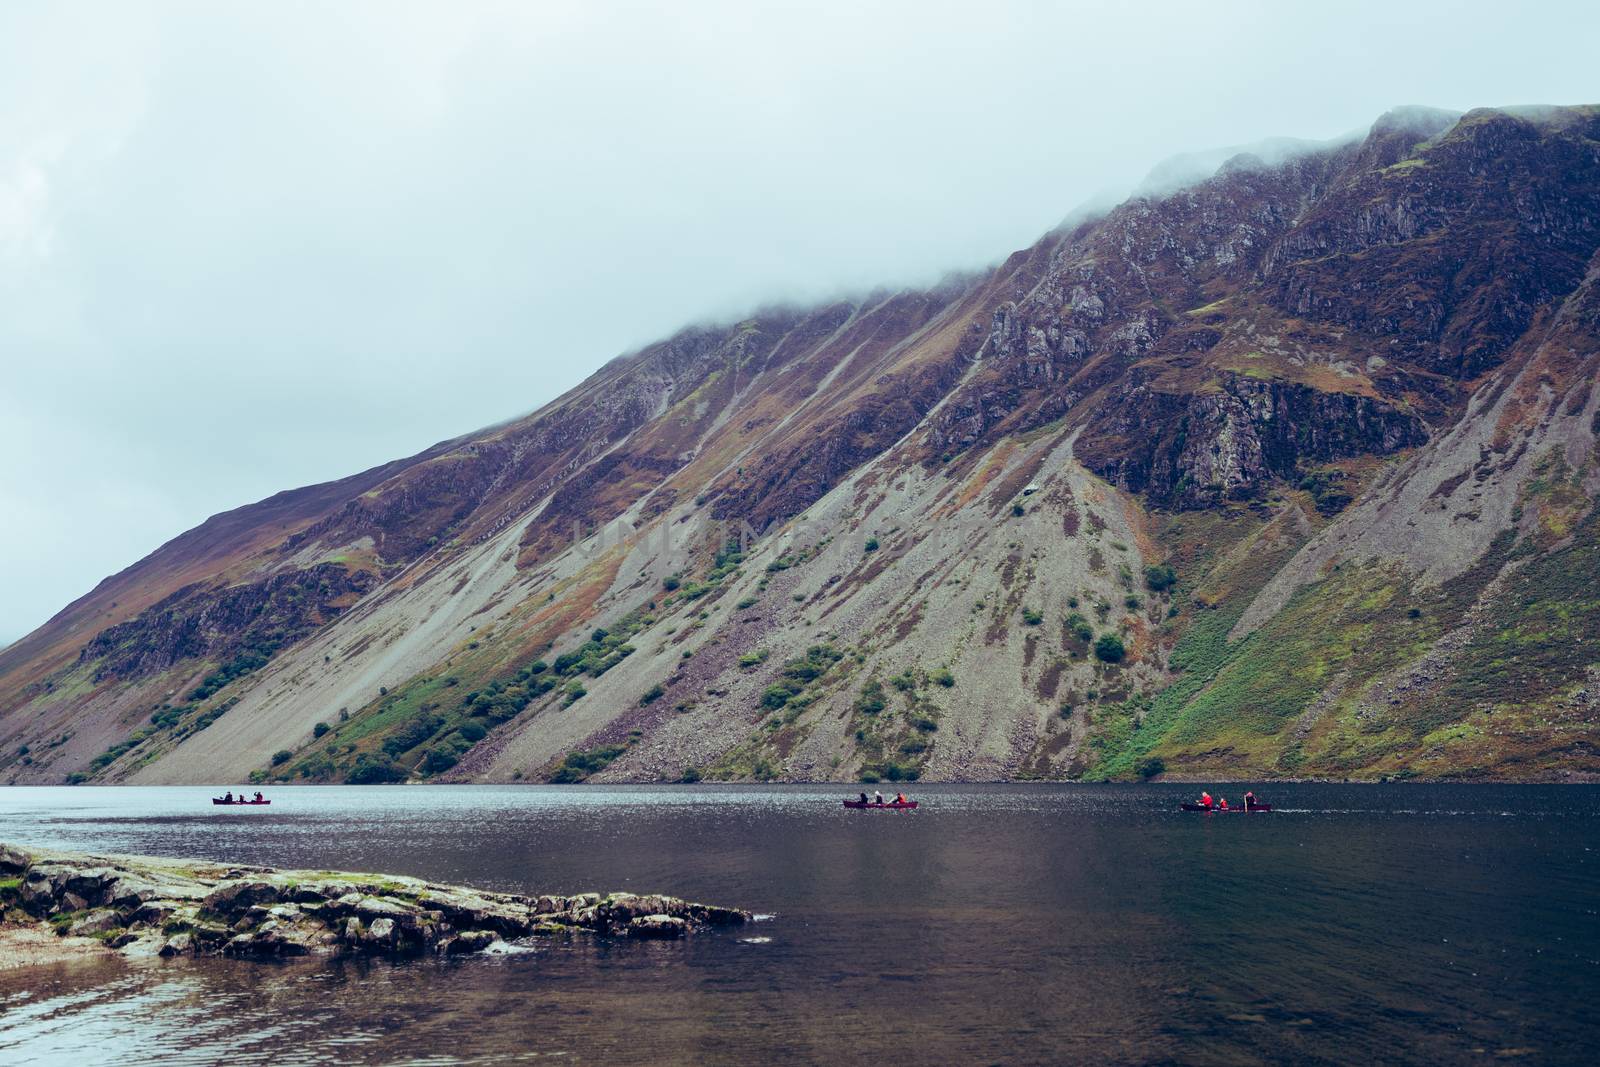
{"type": "Point", "coordinates": [1290, 471]}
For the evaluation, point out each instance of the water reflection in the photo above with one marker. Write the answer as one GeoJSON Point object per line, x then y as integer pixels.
{"type": "Point", "coordinates": [996, 924]}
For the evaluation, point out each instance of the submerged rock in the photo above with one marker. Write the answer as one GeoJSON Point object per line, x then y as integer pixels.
{"type": "Point", "coordinates": [144, 905]}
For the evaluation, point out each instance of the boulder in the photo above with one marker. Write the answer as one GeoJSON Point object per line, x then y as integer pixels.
{"type": "Point", "coordinates": [468, 941]}
{"type": "Point", "coordinates": [381, 933]}
{"type": "Point", "coordinates": [96, 922]}
{"type": "Point", "coordinates": [181, 944]}
{"type": "Point", "coordinates": [13, 861]}
{"type": "Point", "coordinates": [661, 927]}
{"type": "Point", "coordinates": [230, 897]}
{"type": "Point", "coordinates": [90, 884]}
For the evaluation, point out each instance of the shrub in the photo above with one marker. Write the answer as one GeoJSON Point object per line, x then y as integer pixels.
{"type": "Point", "coordinates": [871, 701]}
{"type": "Point", "coordinates": [282, 756]}
{"type": "Point", "coordinates": [904, 681]}
{"type": "Point", "coordinates": [671, 582]}
{"type": "Point", "coordinates": [416, 730]}
{"type": "Point", "coordinates": [913, 746]}
{"type": "Point", "coordinates": [754, 658]}
{"type": "Point", "coordinates": [435, 760]}
{"type": "Point", "coordinates": [316, 766]}
{"type": "Point", "coordinates": [746, 602]}
{"type": "Point", "coordinates": [241, 665]}
{"type": "Point", "coordinates": [1016, 509]}
{"type": "Point", "coordinates": [472, 731]}
{"type": "Point", "coordinates": [373, 769]}
{"type": "Point", "coordinates": [871, 545]}
{"type": "Point", "coordinates": [943, 677]}
{"type": "Point", "coordinates": [1079, 627]}
{"type": "Point", "coordinates": [1031, 617]}
{"type": "Point", "coordinates": [690, 775]}
{"type": "Point", "coordinates": [1109, 648]}
{"type": "Point", "coordinates": [1159, 577]}
{"type": "Point", "coordinates": [651, 695]}
{"type": "Point", "coordinates": [926, 725]}
{"type": "Point", "coordinates": [777, 695]}
{"type": "Point", "coordinates": [579, 765]}
{"type": "Point", "coordinates": [1132, 603]}
{"type": "Point", "coordinates": [1149, 768]}
{"type": "Point", "coordinates": [899, 772]}
{"type": "Point", "coordinates": [320, 729]}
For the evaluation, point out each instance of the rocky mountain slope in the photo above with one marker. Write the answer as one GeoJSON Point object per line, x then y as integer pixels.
{"type": "Point", "coordinates": [1290, 472]}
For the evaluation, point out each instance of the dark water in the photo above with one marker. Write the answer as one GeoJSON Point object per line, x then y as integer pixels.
{"type": "Point", "coordinates": [1007, 924]}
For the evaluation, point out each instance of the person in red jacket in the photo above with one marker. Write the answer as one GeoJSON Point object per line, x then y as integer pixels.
{"type": "Point", "coordinates": [1205, 800]}
{"type": "Point", "coordinates": [1223, 804]}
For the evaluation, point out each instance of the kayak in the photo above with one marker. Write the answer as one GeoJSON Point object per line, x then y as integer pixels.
{"type": "Point", "coordinates": [236, 803]}
{"type": "Point", "coordinates": [892, 805]}
{"type": "Point", "coordinates": [1186, 806]}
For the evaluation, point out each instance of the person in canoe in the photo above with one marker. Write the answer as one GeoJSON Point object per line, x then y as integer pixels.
{"type": "Point", "coordinates": [863, 796]}
{"type": "Point", "coordinates": [900, 798]}
{"type": "Point", "coordinates": [1249, 800]}
{"type": "Point", "coordinates": [877, 796]}
{"type": "Point", "coordinates": [1222, 804]}
{"type": "Point", "coordinates": [227, 798]}
{"type": "Point", "coordinates": [258, 796]}
{"type": "Point", "coordinates": [1206, 801]}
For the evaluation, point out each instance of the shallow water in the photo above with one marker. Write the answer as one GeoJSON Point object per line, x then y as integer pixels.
{"type": "Point", "coordinates": [997, 924]}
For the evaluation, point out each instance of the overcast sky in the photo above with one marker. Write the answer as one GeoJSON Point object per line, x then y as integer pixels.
{"type": "Point", "coordinates": [248, 246]}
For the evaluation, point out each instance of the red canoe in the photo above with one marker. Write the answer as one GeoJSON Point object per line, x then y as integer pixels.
{"type": "Point", "coordinates": [892, 806]}
{"type": "Point", "coordinates": [236, 803]}
{"type": "Point", "coordinates": [1186, 806]}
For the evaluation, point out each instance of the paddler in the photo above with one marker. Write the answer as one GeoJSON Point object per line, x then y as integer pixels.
{"type": "Point", "coordinates": [1249, 800]}
{"type": "Point", "coordinates": [1206, 801]}
{"type": "Point", "coordinates": [877, 796]}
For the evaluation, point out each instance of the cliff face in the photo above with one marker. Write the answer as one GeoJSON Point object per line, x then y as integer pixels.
{"type": "Point", "coordinates": [1289, 472]}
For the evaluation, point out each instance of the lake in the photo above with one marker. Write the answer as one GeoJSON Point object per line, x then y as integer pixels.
{"type": "Point", "coordinates": [1015, 924]}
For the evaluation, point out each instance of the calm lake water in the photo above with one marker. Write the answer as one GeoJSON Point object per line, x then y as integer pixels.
{"type": "Point", "coordinates": [1002, 924]}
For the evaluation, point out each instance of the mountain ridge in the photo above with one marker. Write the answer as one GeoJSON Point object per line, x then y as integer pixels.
{"type": "Point", "coordinates": [1133, 502]}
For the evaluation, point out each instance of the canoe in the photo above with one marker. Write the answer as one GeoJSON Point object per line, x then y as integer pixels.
{"type": "Point", "coordinates": [236, 803]}
{"type": "Point", "coordinates": [907, 806]}
{"type": "Point", "coordinates": [1186, 806]}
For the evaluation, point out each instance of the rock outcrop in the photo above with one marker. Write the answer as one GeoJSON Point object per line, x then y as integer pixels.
{"type": "Point", "coordinates": [144, 905]}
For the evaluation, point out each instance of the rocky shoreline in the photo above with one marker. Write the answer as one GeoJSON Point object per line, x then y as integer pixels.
{"type": "Point", "coordinates": [154, 906]}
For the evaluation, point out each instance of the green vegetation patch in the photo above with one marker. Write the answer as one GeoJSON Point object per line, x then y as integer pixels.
{"type": "Point", "coordinates": [578, 766]}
